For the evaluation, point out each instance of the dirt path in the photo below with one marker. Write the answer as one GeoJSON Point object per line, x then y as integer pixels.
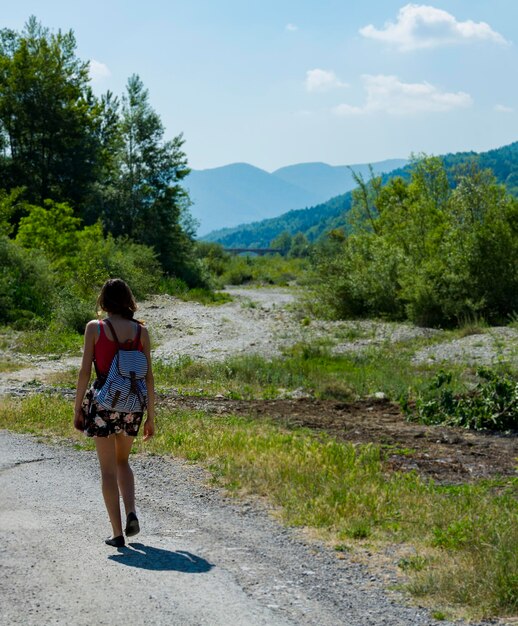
{"type": "Point", "coordinates": [201, 558]}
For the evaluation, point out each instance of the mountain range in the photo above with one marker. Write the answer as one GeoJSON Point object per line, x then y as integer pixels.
{"type": "Point", "coordinates": [239, 193]}
{"type": "Point", "coordinates": [320, 218]}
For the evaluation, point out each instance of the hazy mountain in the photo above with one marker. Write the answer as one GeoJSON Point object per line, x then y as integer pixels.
{"type": "Point", "coordinates": [321, 218]}
{"type": "Point", "coordinates": [239, 193]}
{"type": "Point", "coordinates": [330, 180]}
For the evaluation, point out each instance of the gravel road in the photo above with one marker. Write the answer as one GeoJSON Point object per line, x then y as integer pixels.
{"type": "Point", "coordinates": [201, 559]}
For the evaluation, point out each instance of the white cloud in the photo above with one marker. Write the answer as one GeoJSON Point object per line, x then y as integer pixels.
{"type": "Point", "coordinates": [501, 108]}
{"type": "Point", "coordinates": [291, 27]}
{"type": "Point", "coordinates": [98, 70]}
{"type": "Point", "coordinates": [322, 80]}
{"type": "Point", "coordinates": [422, 26]}
{"type": "Point", "coordinates": [347, 109]}
{"type": "Point", "coordinates": [387, 94]}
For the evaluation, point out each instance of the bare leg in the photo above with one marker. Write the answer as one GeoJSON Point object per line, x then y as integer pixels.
{"type": "Point", "coordinates": [125, 478]}
{"type": "Point", "coordinates": [107, 460]}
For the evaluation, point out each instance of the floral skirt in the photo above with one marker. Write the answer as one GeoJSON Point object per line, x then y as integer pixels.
{"type": "Point", "coordinates": [100, 422]}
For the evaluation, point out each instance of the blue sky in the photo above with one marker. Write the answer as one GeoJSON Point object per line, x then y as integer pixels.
{"type": "Point", "coordinates": [279, 82]}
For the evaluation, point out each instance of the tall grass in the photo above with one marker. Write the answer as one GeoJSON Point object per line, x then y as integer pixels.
{"type": "Point", "coordinates": [468, 532]}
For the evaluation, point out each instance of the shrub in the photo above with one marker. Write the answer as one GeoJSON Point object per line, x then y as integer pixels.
{"type": "Point", "coordinates": [492, 404]}
{"type": "Point", "coordinates": [26, 285]}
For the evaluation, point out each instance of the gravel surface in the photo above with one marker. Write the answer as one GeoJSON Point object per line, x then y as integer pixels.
{"type": "Point", "coordinates": [498, 344]}
{"type": "Point", "coordinates": [202, 558]}
{"type": "Point", "coordinates": [264, 321]}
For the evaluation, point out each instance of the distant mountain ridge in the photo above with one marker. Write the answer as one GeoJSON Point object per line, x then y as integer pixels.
{"type": "Point", "coordinates": [318, 219]}
{"type": "Point", "coordinates": [239, 192]}
{"type": "Point", "coordinates": [322, 179]}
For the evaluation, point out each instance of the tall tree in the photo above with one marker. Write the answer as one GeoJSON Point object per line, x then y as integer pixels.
{"type": "Point", "coordinates": [48, 116]}
{"type": "Point", "coordinates": [151, 206]}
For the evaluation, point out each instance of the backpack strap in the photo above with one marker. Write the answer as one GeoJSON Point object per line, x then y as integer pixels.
{"type": "Point", "coordinates": [136, 341]}
{"type": "Point", "coordinates": [110, 326]}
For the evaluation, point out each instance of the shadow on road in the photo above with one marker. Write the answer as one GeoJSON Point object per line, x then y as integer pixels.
{"type": "Point", "coordinates": [147, 557]}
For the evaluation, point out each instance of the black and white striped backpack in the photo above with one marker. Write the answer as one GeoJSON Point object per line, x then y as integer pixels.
{"type": "Point", "coordinates": [124, 389]}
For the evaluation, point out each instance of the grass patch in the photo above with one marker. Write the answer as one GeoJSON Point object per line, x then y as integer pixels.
{"type": "Point", "coordinates": [307, 366]}
{"type": "Point", "coordinates": [11, 366]}
{"type": "Point", "coordinates": [263, 270]}
{"type": "Point", "coordinates": [469, 532]}
{"type": "Point", "coordinates": [50, 341]}
{"type": "Point", "coordinates": [65, 379]}
{"type": "Point", "coordinates": [205, 296]}
{"type": "Point", "coordinates": [44, 415]}
{"type": "Point", "coordinates": [177, 287]}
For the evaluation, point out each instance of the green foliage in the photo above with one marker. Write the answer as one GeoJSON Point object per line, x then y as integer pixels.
{"type": "Point", "coordinates": [8, 207]}
{"type": "Point", "coordinates": [51, 228]}
{"type": "Point", "coordinates": [60, 273]}
{"type": "Point", "coordinates": [492, 404]}
{"type": "Point", "coordinates": [356, 279]}
{"type": "Point", "coordinates": [71, 155]}
{"type": "Point", "coordinates": [437, 253]}
{"type": "Point", "coordinates": [296, 246]}
{"type": "Point", "coordinates": [300, 246]}
{"type": "Point", "coordinates": [149, 204]}
{"type": "Point", "coordinates": [264, 270]}
{"type": "Point", "coordinates": [282, 242]}
{"type": "Point", "coordinates": [26, 285]}
{"type": "Point", "coordinates": [48, 116]}
{"type": "Point", "coordinates": [213, 257]}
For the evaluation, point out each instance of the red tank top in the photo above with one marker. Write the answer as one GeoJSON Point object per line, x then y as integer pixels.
{"type": "Point", "coordinates": [105, 349]}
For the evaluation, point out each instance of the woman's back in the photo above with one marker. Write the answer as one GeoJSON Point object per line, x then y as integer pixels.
{"type": "Point", "coordinates": [106, 346]}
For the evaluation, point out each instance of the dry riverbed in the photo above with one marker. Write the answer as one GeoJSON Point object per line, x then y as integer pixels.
{"type": "Point", "coordinates": [264, 321]}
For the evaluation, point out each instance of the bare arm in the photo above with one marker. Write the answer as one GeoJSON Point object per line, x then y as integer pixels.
{"type": "Point", "coordinates": [149, 424]}
{"type": "Point", "coordinates": [84, 373]}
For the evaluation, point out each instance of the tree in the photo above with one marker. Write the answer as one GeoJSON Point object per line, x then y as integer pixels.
{"type": "Point", "coordinates": [300, 246]}
{"type": "Point", "coordinates": [150, 205]}
{"type": "Point", "coordinates": [440, 253]}
{"type": "Point", "coordinates": [51, 228]}
{"type": "Point", "coordinates": [48, 116]}
{"type": "Point", "coordinates": [282, 242]}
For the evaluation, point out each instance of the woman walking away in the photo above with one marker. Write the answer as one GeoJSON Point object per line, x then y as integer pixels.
{"type": "Point", "coordinates": [112, 410]}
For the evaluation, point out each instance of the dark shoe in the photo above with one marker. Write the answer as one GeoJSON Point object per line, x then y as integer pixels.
{"type": "Point", "coordinates": [116, 542]}
{"type": "Point", "coordinates": [132, 525]}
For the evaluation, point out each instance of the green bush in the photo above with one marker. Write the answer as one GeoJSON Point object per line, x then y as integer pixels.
{"type": "Point", "coordinates": [361, 281]}
{"type": "Point", "coordinates": [26, 286]}
{"type": "Point", "coordinates": [72, 312]}
{"type": "Point", "coordinates": [440, 253]}
{"type": "Point", "coordinates": [491, 405]}
{"type": "Point", "coordinates": [99, 258]}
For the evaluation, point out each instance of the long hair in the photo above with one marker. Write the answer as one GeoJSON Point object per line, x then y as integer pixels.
{"type": "Point", "coordinates": [116, 297]}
